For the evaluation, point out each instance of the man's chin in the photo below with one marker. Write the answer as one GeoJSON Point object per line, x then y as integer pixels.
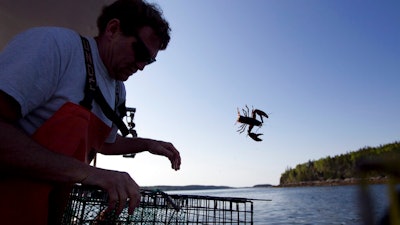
{"type": "Point", "coordinates": [124, 77]}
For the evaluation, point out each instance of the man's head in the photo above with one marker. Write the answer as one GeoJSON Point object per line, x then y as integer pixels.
{"type": "Point", "coordinates": [131, 32]}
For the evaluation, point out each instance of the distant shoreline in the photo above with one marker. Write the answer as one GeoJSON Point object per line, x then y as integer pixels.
{"type": "Point", "coordinates": [330, 182]}
{"type": "Point", "coordinates": [336, 182]}
{"type": "Point", "coordinates": [185, 187]}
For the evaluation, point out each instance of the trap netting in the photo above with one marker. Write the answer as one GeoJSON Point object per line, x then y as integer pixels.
{"type": "Point", "coordinates": [87, 206]}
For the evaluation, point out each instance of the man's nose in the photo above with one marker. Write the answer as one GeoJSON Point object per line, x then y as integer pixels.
{"type": "Point", "coordinates": [140, 65]}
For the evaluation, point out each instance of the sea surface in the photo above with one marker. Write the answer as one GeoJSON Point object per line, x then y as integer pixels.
{"type": "Point", "coordinates": [328, 205]}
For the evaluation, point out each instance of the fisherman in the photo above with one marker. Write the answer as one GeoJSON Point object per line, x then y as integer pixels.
{"type": "Point", "coordinates": [61, 101]}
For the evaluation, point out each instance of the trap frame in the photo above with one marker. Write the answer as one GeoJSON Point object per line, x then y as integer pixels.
{"type": "Point", "coordinates": [87, 206]}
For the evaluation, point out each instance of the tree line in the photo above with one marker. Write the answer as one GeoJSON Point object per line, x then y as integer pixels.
{"type": "Point", "coordinates": [338, 167]}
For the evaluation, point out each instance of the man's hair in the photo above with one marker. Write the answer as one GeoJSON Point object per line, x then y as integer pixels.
{"type": "Point", "coordinates": [133, 15]}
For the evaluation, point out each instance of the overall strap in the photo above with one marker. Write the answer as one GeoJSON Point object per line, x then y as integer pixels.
{"type": "Point", "coordinates": [91, 84]}
{"type": "Point", "coordinates": [92, 91]}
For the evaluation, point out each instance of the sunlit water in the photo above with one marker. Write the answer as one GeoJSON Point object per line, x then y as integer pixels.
{"type": "Point", "coordinates": [329, 205]}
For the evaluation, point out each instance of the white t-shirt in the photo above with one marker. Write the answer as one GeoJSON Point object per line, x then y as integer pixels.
{"type": "Point", "coordinates": [44, 67]}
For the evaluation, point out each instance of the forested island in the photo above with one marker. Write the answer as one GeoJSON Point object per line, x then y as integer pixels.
{"type": "Point", "coordinates": [341, 169]}
{"type": "Point", "coordinates": [332, 170]}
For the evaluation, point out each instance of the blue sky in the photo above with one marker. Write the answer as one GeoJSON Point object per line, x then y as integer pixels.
{"type": "Point", "coordinates": [327, 73]}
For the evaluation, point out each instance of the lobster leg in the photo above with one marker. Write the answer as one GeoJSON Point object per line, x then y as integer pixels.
{"type": "Point", "coordinates": [244, 113]}
{"type": "Point", "coordinates": [242, 128]}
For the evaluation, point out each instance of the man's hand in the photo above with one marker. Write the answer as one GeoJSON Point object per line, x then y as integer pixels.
{"type": "Point", "coordinates": [119, 186]}
{"type": "Point", "coordinates": [168, 150]}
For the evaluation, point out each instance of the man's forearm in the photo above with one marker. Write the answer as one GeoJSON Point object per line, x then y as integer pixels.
{"type": "Point", "coordinates": [22, 156]}
{"type": "Point", "coordinates": [125, 145]}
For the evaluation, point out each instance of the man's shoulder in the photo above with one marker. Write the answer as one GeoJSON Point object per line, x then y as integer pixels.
{"type": "Point", "coordinates": [44, 38]}
{"type": "Point", "coordinates": [63, 39]}
{"type": "Point", "coordinates": [58, 33]}
{"type": "Point", "coordinates": [50, 30]}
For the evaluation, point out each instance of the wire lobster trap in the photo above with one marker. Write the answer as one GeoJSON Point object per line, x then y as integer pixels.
{"type": "Point", "coordinates": [87, 205]}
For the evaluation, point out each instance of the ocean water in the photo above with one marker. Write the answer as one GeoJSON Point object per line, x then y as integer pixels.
{"type": "Point", "coordinates": [329, 205]}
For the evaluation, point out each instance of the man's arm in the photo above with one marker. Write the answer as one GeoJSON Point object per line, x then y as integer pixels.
{"type": "Point", "coordinates": [10, 110]}
{"type": "Point", "coordinates": [21, 156]}
{"type": "Point", "coordinates": [135, 145]}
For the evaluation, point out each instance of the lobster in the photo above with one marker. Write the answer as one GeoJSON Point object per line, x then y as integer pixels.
{"type": "Point", "coordinates": [252, 121]}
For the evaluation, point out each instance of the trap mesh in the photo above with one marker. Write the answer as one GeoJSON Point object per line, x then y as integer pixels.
{"type": "Point", "coordinates": [87, 206]}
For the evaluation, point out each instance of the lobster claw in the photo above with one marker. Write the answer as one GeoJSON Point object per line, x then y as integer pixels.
{"type": "Point", "coordinates": [260, 113]}
{"type": "Point", "coordinates": [254, 136]}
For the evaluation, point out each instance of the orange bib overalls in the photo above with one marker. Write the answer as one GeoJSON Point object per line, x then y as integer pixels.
{"type": "Point", "coordinates": [73, 131]}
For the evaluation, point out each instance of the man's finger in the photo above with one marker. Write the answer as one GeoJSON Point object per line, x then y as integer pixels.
{"type": "Point", "coordinates": [133, 203]}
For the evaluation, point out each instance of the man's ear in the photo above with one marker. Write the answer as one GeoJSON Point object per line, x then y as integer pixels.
{"type": "Point", "coordinates": [112, 28]}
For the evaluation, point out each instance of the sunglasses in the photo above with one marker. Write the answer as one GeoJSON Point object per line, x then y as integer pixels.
{"type": "Point", "coordinates": [142, 53]}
